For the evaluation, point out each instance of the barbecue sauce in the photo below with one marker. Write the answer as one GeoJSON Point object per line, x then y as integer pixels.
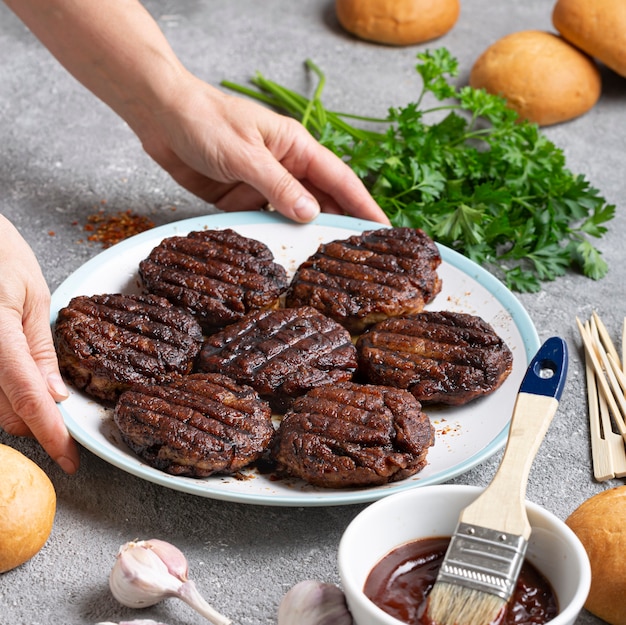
{"type": "Point", "coordinates": [401, 581]}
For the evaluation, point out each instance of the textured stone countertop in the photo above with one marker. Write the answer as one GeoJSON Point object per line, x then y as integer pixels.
{"type": "Point", "coordinates": [64, 156]}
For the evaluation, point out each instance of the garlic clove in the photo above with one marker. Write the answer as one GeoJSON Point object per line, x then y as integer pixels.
{"type": "Point", "coordinates": [140, 578]}
{"type": "Point", "coordinates": [311, 602]}
{"type": "Point", "coordinates": [171, 556]}
{"type": "Point", "coordinates": [148, 571]}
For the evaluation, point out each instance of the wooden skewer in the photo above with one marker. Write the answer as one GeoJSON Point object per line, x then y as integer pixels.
{"type": "Point", "coordinates": [614, 394]}
{"type": "Point", "coordinates": [620, 376]}
{"type": "Point", "coordinates": [618, 450]}
{"type": "Point", "coordinates": [601, 451]}
{"type": "Point", "coordinates": [601, 378]}
{"type": "Point", "coordinates": [613, 441]}
{"type": "Point", "coordinates": [605, 338]}
{"type": "Point", "coordinates": [601, 361]}
{"type": "Point", "coordinates": [619, 455]}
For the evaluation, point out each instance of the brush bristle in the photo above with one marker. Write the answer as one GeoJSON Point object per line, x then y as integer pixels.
{"type": "Point", "coordinates": [449, 604]}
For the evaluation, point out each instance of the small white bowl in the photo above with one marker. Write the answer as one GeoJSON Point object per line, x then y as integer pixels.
{"type": "Point", "coordinates": [432, 511]}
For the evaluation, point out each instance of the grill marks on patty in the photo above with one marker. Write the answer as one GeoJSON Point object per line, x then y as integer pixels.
{"type": "Point", "coordinates": [351, 435]}
{"type": "Point", "coordinates": [218, 275]}
{"type": "Point", "coordinates": [441, 357]}
{"type": "Point", "coordinates": [107, 343]}
{"type": "Point", "coordinates": [281, 353]}
{"type": "Point", "coordinates": [368, 277]}
{"type": "Point", "coordinates": [196, 426]}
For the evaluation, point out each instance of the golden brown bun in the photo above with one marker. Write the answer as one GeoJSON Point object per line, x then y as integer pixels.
{"type": "Point", "coordinates": [600, 524]}
{"type": "Point", "coordinates": [596, 26]}
{"type": "Point", "coordinates": [397, 22]}
{"type": "Point", "coordinates": [27, 508]}
{"type": "Point", "coordinates": [542, 77]}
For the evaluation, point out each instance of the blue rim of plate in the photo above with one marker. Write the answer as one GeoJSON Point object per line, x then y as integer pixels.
{"type": "Point", "coordinates": [497, 289]}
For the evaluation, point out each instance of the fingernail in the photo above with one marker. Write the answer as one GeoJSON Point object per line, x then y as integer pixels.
{"type": "Point", "coordinates": [306, 208]}
{"type": "Point", "coordinates": [67, 464]}
{"type": "Point", "coordinates": [56, 385]}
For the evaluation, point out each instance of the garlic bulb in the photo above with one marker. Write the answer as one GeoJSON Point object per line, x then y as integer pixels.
{"type": "Point", "coordinates": [314, 603]}
{"type": "Point", "coordinates": [148, 571]}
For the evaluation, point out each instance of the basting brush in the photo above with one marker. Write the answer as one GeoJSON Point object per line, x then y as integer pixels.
{"type": "Point", "coordinates": [483, 561]}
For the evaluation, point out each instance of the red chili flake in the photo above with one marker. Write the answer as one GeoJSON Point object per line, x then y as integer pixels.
{"type": "Point", "coordinates": [111, 229]}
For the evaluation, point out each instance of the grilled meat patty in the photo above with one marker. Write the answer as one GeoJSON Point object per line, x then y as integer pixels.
{"type": "Point", "coordinates": [353, 435]}
{"type": "Point", "coordinates": [369, 277]}
{"type": "Point", "coordinates": [281, 353]}
{"type": "Point", "coordinates": [107, 343]}
{"type": "Point", "coordinates": [440, 357]}
{"type": "Point", "coordinates": [218, 275]}
{"type": "Point", "coordinates": [196, 426]}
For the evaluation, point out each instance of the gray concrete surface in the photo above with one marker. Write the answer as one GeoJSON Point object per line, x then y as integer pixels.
{"type": "Point", "coordinates": [63, 154]}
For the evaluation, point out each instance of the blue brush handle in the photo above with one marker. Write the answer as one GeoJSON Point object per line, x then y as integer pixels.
{"type": "Point", "coordinates": [548, 369]}
{"type": "Point", "coordinates": [501, 506]}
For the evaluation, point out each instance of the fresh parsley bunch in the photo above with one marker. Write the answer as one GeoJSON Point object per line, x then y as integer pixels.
{"type": "Point", "coordinates": [476, 178]}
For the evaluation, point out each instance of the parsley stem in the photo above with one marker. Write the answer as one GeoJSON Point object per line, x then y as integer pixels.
{"type": "Point", "coordinates": [303, 108]}
{"type": "Point", "coordinates": [315, 101]}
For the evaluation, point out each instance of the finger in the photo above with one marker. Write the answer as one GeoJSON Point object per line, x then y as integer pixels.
{"type": "Point", "coordinates": [241, 197]}
{"type": "Point", "coordinates": [327, 203]}
{"type": "Point", "coordinates": [28, 399]}
{"type": "Point", "coordinates": [286, 194]}
{"type": "Point", "coordinates": [206, 189]}
{"type": "Point", "coordinates": [10, 422]}
{"type": "Point", "coordinates": [36, 329]}
{"type": "Point", "coordinates": [310, 161]}
{"type": "Point", "coordinates": [337, 181]}
{"type": "Point", "coordinates": [33, 412]}
{"type": "Point", "coordinates": [229, 197]}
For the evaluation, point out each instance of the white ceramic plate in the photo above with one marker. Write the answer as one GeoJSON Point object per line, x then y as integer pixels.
{"type": "Point", "coordinates": [465, 436]}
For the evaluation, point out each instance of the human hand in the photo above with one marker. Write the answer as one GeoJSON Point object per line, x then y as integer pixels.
{"type": "Point", "coordinates": [30, 382]}
{"type": "Point", "coordinates": [229, 151]}
{"type": "Point", "coordinates": [240, 155]}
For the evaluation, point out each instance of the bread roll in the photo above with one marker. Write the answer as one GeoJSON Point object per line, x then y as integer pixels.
{"type": "Point", "coordinates": [543, 77]}
{"type": "Point", "coordinates": [397, 22]}
{"type": "Point", "coordinates": [27, 508]}
{"type": "Point", "coordinates": [596, 26]}
{"type": "Point", "coordinates": [600, 524]}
